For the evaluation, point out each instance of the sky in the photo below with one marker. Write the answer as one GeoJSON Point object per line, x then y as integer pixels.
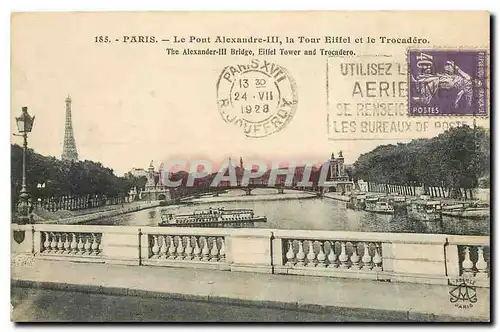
{"type": "Point", "coordinates": [134, 103]}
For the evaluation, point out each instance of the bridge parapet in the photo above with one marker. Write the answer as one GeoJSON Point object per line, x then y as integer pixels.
{"type": "Point", "coordinates": [395, 257]}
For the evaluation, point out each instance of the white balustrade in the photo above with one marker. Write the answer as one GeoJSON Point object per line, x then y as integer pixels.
{"type": "Point", "coordinates": [71, 243]}
{"type": "Point", "coordinates": [475, 261]}
{"type": "Point", "coordinates": [187, 248]}
{"type": "Point", "coordinates": [332, 254]}
{"type": "Point", "coordinates": [321, 253]}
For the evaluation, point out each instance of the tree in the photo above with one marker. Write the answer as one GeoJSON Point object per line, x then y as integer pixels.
{"type": "Point", "coordinates": [455, 159]}
{"type": "Point", "coordinates": [77, 178]}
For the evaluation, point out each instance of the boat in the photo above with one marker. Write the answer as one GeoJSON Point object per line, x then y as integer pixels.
{"type": "Point", "coordinates": [464, 210]}
{"type": "Point", "coordinates": [424, 210]}
{"type": "Point", "coordinates": [356, 202]}
{"type": "Point", "coordinates": [374, 204]}
{"type": "Point", "coordinates": [219, 217]}
{"type": "Point", "coordinates": [398, 203]}
{"type": "Point", "coordinates": [396, 198]}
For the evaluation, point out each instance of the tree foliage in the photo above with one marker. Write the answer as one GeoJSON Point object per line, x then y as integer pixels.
{"type": "Point", "coordinates": [66, 177]}
{"type": "Point", "coordinates": [457, 158]}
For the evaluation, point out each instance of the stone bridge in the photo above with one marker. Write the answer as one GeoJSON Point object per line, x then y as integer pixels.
{"type": "Point", "coordinates": [250, 187]}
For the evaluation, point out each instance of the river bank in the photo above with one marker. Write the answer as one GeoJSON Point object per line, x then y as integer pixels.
{"type": "Point", "coordinates": [337, 197]}
{"type": "Point", "coordinates": [117, 210]}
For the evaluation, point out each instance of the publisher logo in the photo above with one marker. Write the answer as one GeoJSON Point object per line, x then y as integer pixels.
{"type": "Point", "coordinates": [463, 294]}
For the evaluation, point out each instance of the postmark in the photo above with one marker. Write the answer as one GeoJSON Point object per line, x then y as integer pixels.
{"type": "Point", "coordinates": [258, 96]}
{"type": "Point", "coordinates": [447, 82]}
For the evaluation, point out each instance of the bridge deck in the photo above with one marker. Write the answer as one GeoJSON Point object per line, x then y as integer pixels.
{"type": "Point", "coordinates": [373, 299]}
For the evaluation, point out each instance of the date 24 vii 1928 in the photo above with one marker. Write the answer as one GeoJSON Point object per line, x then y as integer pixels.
{"type": "Point", "coordinates": [253, 95]}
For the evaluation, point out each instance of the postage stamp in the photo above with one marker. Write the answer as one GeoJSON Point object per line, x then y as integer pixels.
{"type": "Point", "coordinates": [259, 96]}
{"type": "Point", "coordinates": [447, 82]}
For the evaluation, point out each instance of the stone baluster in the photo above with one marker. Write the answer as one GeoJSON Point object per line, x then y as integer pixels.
{"type": "Point", "coordinates": [95, 246]}
{"type": "Point", "coordinates": [343, 258]}
{"type": "Point", "coordinates": [46, 243]}
{"type": "Point", "coordinates": [164, 247]}
{"type": "Point", "coordinates": [377, 259]}
{"type": "Point", "coordinates": [155, 249]}
{"type": "Point", "coordinates": [53, 243]}
{"type": "Point", "coordinates": [197, 250]}
{"type": "Point", "coordinates": [321, 256]}
{"type": "Point", "coordinates": [189, 249]}
{"type": "Point", "coordinates": [332, 256]}
{"type": "Point", "coordinates": [74, 244]}
{"type": "Point", "coordinates": [290, 254]}
{"type": "Point", "coordinates": [467, 264]}
{"type": "Point", "coordinates": [67, 244]}
{"type": "Point", "coordinates": [300, 254]}
{"type": "Point", "coordinates": [88, 245]}
{"type": "Point", "coordinates": [367, 258]}
{"type": "Point", "coordinates": [171, 250]}
{"type": "Point", "coordinates": [60, 243]}
{"type": "Point", "coordinates": [81, 245]}
{"type": "Point", "coordinates": [180, 249]}
{"type": "Point", "coordinates": [205, 252]}
{"type": "Point", "coordinates": [222, 252]}
{"type": "Point", "coordinates": [311, 256]}
{"type": "Point", "coordinates": [355, 257]}
{"type": "Point", "coordinates": [214, 252]}
{"type": "Point", "coordinates": [481, 264]}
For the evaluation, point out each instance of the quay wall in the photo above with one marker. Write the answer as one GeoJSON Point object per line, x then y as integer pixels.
{"type": "Point", "coordinates": [481, 194]}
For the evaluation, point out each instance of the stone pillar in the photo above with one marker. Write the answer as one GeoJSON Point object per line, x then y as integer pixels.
{"type": "Point", "coordinates": [417, 262]}
{"type": "Point", "coordinates": [277, 251]}
{"type": "Point", "coordinates": [24, 239]}
{"type": "Point", "coordinates": [251, 250]}
{"type": "Point", "coordinates": [121, 245]}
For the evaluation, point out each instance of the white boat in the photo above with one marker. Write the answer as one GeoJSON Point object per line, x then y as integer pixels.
{"type": "Point", "coordinates": [220, 217]}
{"type": "Point", "coordinates": [424, 210]}
{"type": "Point", "coordinates": [396, 198]}
{"type": "Point", "coordinates": [374, 204]}
{"type": "Point", "coordinates": [472, 211]}
{"type": "Point", "coordinates": [356, 202]}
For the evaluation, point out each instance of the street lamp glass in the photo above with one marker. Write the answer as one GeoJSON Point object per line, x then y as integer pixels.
{"type": "Point", "coordinates": [25, 121]}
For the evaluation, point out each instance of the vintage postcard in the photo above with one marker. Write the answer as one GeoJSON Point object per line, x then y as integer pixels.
{"type": "Point", "coordinates": [250, 166]}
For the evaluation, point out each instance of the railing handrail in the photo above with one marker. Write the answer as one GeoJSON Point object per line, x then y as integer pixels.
{"type": "Point", "coordinates": [158, 230]}
{"type": "Point", "coordinates": [362, 236]}
{"type": "Point", "coordinates": [469, 240]}
{"type": "Point", "coordinates": [416, 238]}
{"type": "Point", "coordinates": [86, 228]}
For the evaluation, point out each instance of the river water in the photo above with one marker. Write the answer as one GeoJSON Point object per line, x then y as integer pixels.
{"type": "Point", "coordinates": [294, 210]}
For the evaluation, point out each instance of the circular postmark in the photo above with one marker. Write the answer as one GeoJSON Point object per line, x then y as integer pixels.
{"type": "Point", "coordinates": [260, 97]}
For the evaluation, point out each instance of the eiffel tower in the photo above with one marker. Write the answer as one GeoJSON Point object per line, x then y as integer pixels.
{"type": "Point", "coordinates": [69, 147]}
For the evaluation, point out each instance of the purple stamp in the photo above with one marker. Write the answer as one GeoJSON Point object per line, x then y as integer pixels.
{"type": "Point", "coordinates": [447, 82]}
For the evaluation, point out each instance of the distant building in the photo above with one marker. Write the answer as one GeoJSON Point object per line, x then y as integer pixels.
{"type": "Point", "coordinates": [138, 172]}
{"type": "Point", "coordinates": [155, 190]}
{"type": "Point", "coordinates": [338, 175]}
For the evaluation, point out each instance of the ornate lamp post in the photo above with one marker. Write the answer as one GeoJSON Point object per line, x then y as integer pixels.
{"type": "Point", "coordinates": [24, 126]}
